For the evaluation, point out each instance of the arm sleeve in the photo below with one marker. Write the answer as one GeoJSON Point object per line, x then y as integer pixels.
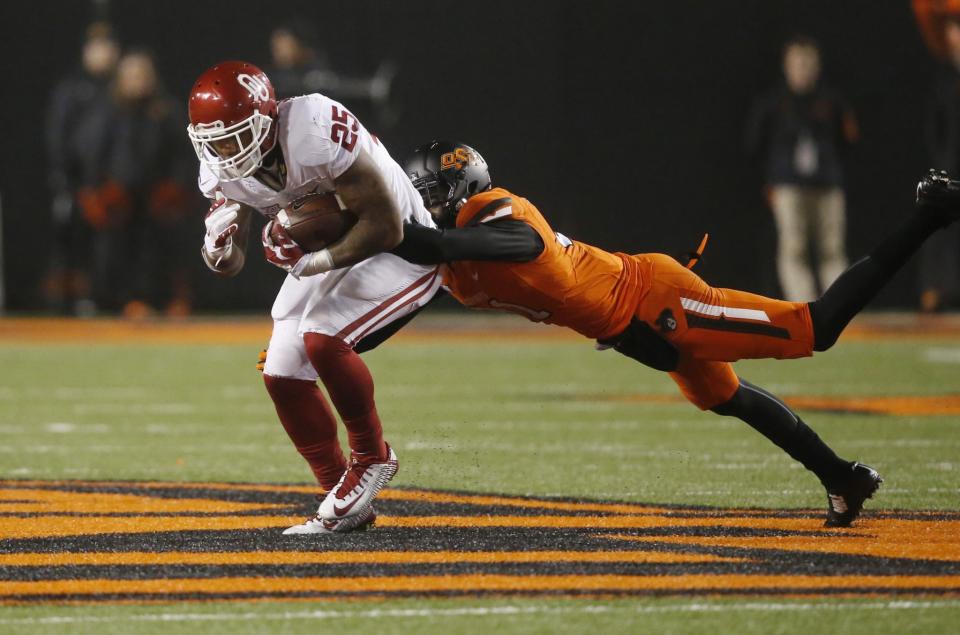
{"type": "Point", "coordinates": [506, 240]}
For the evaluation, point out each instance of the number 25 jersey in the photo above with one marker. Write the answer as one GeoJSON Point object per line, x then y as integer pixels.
{"type": "Point", "coordinates": [320, 139]}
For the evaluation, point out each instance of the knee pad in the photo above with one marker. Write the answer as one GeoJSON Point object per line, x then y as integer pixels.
{"type": "Point", "coordinates": [640, 342]}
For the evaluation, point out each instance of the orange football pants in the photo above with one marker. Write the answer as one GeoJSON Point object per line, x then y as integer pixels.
{"type": "Point", "coordinates": [712, 327]}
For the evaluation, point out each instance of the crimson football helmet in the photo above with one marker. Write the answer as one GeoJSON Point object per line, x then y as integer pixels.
{"type": "Point", "coordinates": [233, 119]}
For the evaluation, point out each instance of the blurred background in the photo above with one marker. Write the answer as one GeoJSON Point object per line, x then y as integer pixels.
{"type": "Point", "coordinates": [635, 125]}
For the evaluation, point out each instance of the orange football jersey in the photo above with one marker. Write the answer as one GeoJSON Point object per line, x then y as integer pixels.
{"type": "Point", "coordinates": [592, 291]}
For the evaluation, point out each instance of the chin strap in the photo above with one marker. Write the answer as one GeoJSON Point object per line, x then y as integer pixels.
{"type": "Point", "coordinates": [693, 257]}
{"type": "Point", "coordinates": [450, 212]}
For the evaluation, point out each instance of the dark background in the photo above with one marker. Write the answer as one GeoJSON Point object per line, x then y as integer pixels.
{"type": "Point", "coordinates": [622, 121]}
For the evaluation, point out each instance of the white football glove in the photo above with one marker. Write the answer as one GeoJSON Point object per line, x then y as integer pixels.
{"type": "Point", "coordinates": [221, 225]}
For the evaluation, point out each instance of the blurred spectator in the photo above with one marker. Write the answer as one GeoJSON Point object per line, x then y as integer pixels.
{"type": "Point", "coordinates": [76, 98]}
{"type": "Point", "coordinates": [801, 128]}
{"type": "Point", "coordinates": [135, 195]}
{"type": "Point", "coordinates": [300, 67]}
{"type": "Point", "coordinates": [940, 256]}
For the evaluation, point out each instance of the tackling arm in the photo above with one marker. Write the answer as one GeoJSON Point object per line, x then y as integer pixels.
{"type": "Point", "coordinates": [504, 240]}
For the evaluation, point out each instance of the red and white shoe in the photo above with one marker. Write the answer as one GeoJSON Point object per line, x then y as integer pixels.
{"type": "Point", "coordinates": [359, 485]}
{"type": "Point", "coordinates": [318, 525]}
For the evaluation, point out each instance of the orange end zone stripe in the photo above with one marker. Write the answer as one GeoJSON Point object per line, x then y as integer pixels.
{"type": "Point", "coordinates": [217, 486]}
{"type": "Point", "coordinates": [346, 557]}
{"type": "Point", "coordinates": [604, 522]}
{"type": "Point", "coordinates": [41, 501]}
{"type": "Point", "coordinates": [391, 494]}
{"type": "Point", "coordinates": [40, 526]}
{"type": "Point", "coordinates": [891, 538]}
{"type": "Point", "coordinates": [477, 583]}
{"type": "Point", "coordinates": [49, 526]}
{"type": "Point", "coordinates": [525, 503]}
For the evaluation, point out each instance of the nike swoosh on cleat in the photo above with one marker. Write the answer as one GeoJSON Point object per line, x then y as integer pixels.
{"type": "Point", "coordinates": [340, 511]}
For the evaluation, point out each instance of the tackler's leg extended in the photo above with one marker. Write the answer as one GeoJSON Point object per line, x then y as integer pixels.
{"type": "Point", "coordinates": [714, 386]}
{"type": "Point", "coordinates": [848, 483]}
{"type": "Point", "coordinates": [938, 205]}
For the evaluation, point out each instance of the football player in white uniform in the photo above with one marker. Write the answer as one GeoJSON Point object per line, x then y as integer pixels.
{"type": "Point", "coordinates": [258, 155]}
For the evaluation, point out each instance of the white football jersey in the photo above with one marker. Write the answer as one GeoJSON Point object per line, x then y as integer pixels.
{"type": "Point", "coordinates": [319, 139]}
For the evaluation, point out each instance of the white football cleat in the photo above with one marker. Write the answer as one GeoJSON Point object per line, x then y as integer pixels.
{"type": "Point", "coordinates": [359, 485]}
{"type": "Point", "coordinates": [317, 525]}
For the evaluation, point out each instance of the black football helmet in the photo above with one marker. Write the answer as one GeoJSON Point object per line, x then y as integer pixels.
{"type": "Point", "coordinates": [447, 174]}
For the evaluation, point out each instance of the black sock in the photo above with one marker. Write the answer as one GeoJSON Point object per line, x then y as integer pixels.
{"type": "Point", "coordinates": [863, 280]}
{"type": "Point", "coordinates": [775, 420]}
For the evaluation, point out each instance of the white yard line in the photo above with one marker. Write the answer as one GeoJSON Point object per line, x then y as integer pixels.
{"type": "Point", "coordinates": [696, 607]}
{"type": "Point", "coordinates": [942, 355]}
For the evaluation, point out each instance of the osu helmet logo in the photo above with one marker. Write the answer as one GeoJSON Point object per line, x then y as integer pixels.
{"type": "Point", "coordinates": [458, 159]}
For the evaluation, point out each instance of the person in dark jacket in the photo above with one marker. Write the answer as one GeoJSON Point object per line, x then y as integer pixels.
{"type": "Point", "coordinates": [300, 67]}
{"type": "Point", "coordinates": [136, 196]}
{"type": "Point", "coordinates": [801, 129]}
{"type": "Point", "coordinates": [76, 98]}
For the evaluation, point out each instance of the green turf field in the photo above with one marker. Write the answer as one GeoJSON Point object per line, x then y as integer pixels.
{"type": "Point", "coordinates": [501, 416]}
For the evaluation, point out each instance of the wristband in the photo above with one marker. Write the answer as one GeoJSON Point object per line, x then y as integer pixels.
{"type": "Point", "coordinates": [313, 263]}
{"type": "Point", "coordinates": [213, 260]}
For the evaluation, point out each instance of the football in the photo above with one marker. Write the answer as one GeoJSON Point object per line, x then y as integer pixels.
{"type": "Point", "coordinates": [315, 221]}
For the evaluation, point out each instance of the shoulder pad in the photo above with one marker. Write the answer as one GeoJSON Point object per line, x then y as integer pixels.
{"type": "Point", "coordinates": [484, 210]}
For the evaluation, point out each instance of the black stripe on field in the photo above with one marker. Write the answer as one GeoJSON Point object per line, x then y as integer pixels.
{"type": "Point", "coordinates": [493, 539]}
{"type": "Point", "coordinates": [761, 563]}
{"type": "Point", "coordinates": [573, 593]}
{"type": "Point", "coordinates": [378, 539]}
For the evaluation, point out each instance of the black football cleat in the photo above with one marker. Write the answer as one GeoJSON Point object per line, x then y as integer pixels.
{"type": "Point", "coordinates": [845, 499]}
{"type": "Point", "coordinates": [940, 195]}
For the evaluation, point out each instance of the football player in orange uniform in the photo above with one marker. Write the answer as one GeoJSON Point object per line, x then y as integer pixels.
{"type": "Point", "coordinates": [501, 253]}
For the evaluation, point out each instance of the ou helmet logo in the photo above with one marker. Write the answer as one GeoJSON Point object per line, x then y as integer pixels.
{"type": "Point", "coordinates": [255, 86]}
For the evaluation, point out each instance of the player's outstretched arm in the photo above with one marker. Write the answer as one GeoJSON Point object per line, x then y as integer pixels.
{"type": "Point", "coordinates": [227, 258]}
{"type": "Point", "coordinates": [504, 240]}
{"type": "Point", "coordinates": [379, 227]}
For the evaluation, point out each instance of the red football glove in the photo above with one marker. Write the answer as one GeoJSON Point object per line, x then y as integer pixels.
{"type": "Point", "coordinates": [279, 248]}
